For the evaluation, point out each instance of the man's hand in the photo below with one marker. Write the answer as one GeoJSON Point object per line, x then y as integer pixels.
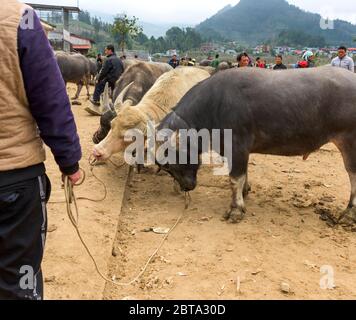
{"type": "Point", "coordinates": [75, 178]}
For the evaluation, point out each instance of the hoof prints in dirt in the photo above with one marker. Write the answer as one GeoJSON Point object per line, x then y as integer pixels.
{"type": "Point", "coordinates": [276, 237]}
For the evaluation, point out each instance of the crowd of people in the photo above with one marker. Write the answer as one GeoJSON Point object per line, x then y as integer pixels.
{"type": "Point", "coordinates": [244, 60]}
{"type": "Point", "coordinates": [342, 60]}
{"type": "Point", "coordinates": [185, 62]}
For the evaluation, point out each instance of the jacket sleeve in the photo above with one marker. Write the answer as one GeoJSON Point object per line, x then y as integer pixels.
{"type": "Point", "coordinates": [105, 70]}
{"type": "Point", "coordinates": [352, 65]}
{"type": "Point", "coordinates": [47, 97]}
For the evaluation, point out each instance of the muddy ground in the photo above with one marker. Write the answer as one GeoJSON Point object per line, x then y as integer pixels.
{"type": "Point", "coordinates": [282, 239]}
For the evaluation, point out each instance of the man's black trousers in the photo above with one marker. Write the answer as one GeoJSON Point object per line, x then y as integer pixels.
{"type": "Point", "coordinates": [100, 87]}
{"type": "Point", "coordinates": [23, 227]}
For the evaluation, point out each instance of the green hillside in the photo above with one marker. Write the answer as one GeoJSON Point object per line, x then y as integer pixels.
{"type": "Point", "coordinates": [254, 21]}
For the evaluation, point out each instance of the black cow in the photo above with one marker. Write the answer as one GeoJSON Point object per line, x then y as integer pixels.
{"type": "Point", "coordinates": [75, 68]}
{"type": "Point", "coordinates": [291, 113]}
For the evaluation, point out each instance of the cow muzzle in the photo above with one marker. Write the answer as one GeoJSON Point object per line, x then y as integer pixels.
{"type": "Point", "coordinates": [186, 187]}
{"type": "Point", "coordinates": [186, 184]}
{"type": "Point", "coordinates": [99, 154]}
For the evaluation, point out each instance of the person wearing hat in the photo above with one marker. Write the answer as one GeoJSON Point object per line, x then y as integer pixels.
{"type": "Point", "coordinates": [307, 60]}
{"type": "Point", "coordinates": [182, 61]}
{"type": "Point", "coordinates": [191, 62]}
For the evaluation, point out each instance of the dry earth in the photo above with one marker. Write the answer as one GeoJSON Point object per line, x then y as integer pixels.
{"type": "Point", "coordinates": [68, 271]}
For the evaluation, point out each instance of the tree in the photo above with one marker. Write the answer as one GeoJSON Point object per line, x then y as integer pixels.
{"type": "Point", "coordinates": [151, 45]}
{"type": "Point", "coordinates": [182, 39]}
{"type": "Point", "coordinates": [193, 39]}
{"type": "Point", "coordinates": [84, 16]}
{"type": "Point", "coordinates": [142, 39]}
{"type": "Point", "coordinates": [299, 39]}
{"type": "Point", "coordinates": [161, 45]}
{"type": "Point", "coordinates": [175, 38]}
{"type": "Point", "coordinates": [124, 28]}
{"type": "Point", "coordinates": [97, 24]}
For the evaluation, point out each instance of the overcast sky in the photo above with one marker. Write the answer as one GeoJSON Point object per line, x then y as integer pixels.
{"type": "Point", "coordinates": [195, 11]}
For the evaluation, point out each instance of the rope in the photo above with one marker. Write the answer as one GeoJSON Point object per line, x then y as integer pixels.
{"type": "Point", "coordinates": [92, 166]}
{"type": "Point", "coordinates": [71, 202]}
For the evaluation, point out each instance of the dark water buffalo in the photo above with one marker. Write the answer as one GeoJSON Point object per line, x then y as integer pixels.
{"type": "Point", "coordinates": [294, 114]}
{"type": "Point", "coordinates": [75, 68]}
{"type": "Point", "coordinates": [143, 75]}
{"type": "Point", "coordinates": [93, 67]}
{"type": "Point", "coordinates": [129, 90]}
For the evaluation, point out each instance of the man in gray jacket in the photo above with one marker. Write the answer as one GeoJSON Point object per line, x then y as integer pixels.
{"type": "Point", "coordinates": [343, 60]}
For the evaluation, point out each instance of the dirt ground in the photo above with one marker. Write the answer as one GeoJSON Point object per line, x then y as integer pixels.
{"type": "Point", "coordinates": [69, 273]}
{"type": "Point", "coordinates": [282, 239]}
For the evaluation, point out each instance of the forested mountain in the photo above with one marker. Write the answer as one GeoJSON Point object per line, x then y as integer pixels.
{"type": "Point", "coordinates": [276, 21]}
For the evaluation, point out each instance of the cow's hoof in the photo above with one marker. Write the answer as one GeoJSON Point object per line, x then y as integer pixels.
{"type": "Point", "coordinates": [234, 215]}
{"type": "Point", "coordinates": [348, 219]}
{"type": "Point", "coordinates": [226, 216]}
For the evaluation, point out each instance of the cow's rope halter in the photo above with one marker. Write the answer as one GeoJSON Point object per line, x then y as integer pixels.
{"type": "Point", "coordinates": [71, 202]}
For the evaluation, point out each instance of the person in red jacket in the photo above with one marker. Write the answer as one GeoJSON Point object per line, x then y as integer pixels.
{"type": "Point", "coordinates": [260, 63]}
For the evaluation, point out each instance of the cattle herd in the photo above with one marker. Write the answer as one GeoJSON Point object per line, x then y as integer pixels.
{"type": "Point", "coordinates": [285, 113]}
